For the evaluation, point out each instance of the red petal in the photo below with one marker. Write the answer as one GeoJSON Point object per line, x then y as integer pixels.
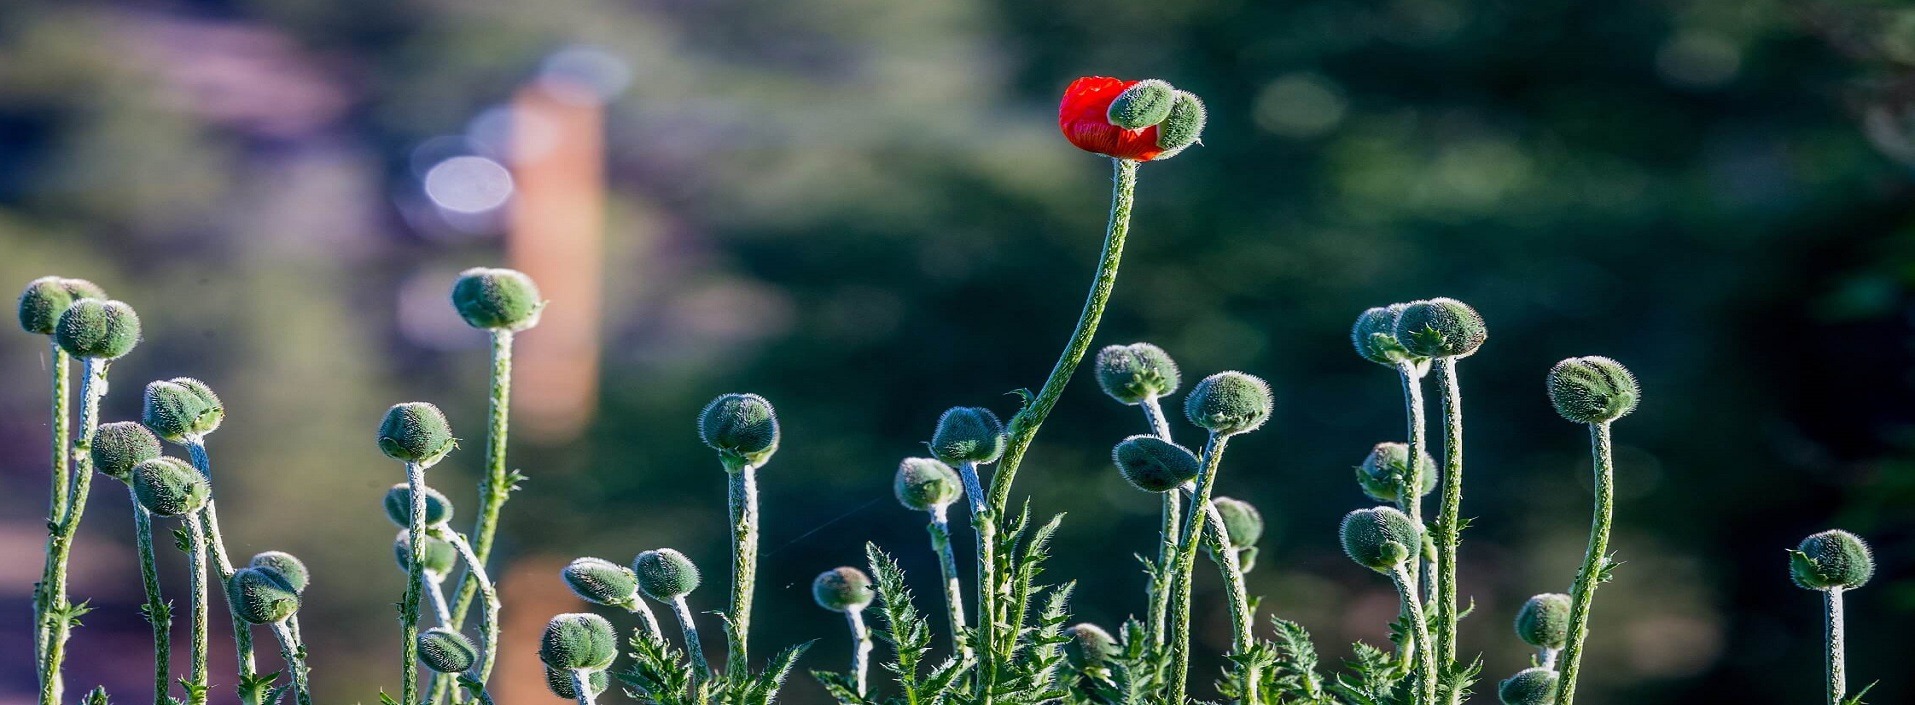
{"type": "Point", "coordinates": [1084, 118]}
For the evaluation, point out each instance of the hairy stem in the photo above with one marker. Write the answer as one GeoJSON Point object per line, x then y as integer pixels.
{"type": "Point", "coordinates": [62, 479]}
{"type": "Point", "coordinates": [1172, 511]}
{"type": "Point", "coordinates": [1837, 671]}
{"type": "Point", "coordinates": [216, 546]}
{"type": "Point", "coordinates": [693, 647]}
{"type": "Point", "coordinates": [294, 654]}
{"type": "Point", "coordinates": [940, 530]}
{"type": "Point", "coordinates": [489, 594]}
{"type": "Point", "coordinates": [579, 683]}
{"type": "Point", "coordinates": [436, 594]}
{"type": "Point", "coordinates": [1187, 541]}
{"type": "Point", "coordinates": [1411, 499]}
{"type": "Point", "coordinates": [57, 618]}
{"type": "Point", "coordinates": [495, 486]}
{"type": "Point", "coordinates": [1593, 563]}
{"type": "Point", "coordinates": [196, 573]}
{"type": "Point", "coordinates": [644, 611]}
{"type": "Point", "coordinates": [1426, 657]}
{"type": "Point", "coordinates": [1448, 531]}
{"type": "Point", "coordinates": [861, 653]}
{"type": "Point", "coordinates": [744, 563]}
{"type": "Point", "coordinates": [415, 585]}
{"type": "Point", "coordinates": [984, 526]}
{"type": "Point", "coordinates": [158, 613]}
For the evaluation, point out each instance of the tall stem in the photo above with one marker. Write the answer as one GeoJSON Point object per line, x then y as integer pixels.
{"type": "Point", "coordinates": [940, 530]}
{"type": "Point", "coordinates": [1426, 657]}
{"type": "Point", "coordinates": [57, 618]}
{"type": "Point", "coordinates": [495, 487]}
{"type": "Point", "coordinates": [984, 526]}
{"type": "Point", "coordinates": [436, 594]}
{"type": "Point", "coordinates": [638, 607]}
{"type": "Point", "coordinates": [158, 613]}
{"type": "Point", "coordinates": [61, 479]}
{"type": "Point", "coordinates": [861, 649]}
{"type": "Point", "coordinates": [1243, 623]}
{"type": "Point", "coordinates": [489, 619]}
{"type": "Point", "coordinates": [415, 586]}
{"type": "Point", "coordinates": [216, 546]}
{"type": "Point", "coordinates": [294, 654]}
{"type": "Point", "coordinates": [1411, 499]}
{"type": "Point", "coordinates": [1448, 533]}
{"type": "Point", "coordinates": [693, 647]}
{"type": "Point", "coordinates": [1172, 515]}
{"type": "Point", "coordinates": [196, 572]}
{"type": "Point", "coordinates": [744, 564]}
{"type": "Point", "coordinates": [1837, 670]}
{"type": "Point", "coordinates": [1593, 563]}
{"type": "Point", "coordinates": [1186, 564]}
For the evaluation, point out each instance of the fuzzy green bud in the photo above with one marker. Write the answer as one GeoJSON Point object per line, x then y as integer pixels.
{"type": "Point", "coordinates": [1153, 464]}
{"type": "Point", "coordinates": [1229, 403]}
{"type": "Point", "coordinates": [181, 409]}
{"type": "Point", "coordinates": [119, 446]}
{"type": "Point", "coordinates": [1136, 372]}
{"type": "Point", "coordinates": [416, 432]}
{"type": "Point", "coordinates": [925, 484]}
{"type": "Point", "coordinates": [399, 506]}
{"type": "Point", "coordinates": [740, 425]}
{"type": "Point", "coordinates": [1593, 389]}
{"type": "Point", "coordinates": [46, 298]}
{"type": "Point", "coordinates": [105, 330]}
{"type": "Point", "coordinates": [447, 651]}
{"type": "Point", "coordinates": [1543, 621]}
{"type": "Point", "coordinates": [968, 434]}
{"type": "Point", "coordinates": [1440, 328]}
{"type": "Point", "coordinates": [289, 568]}
{"type": "Point", "coordinates": [1374, 336]}
{"type": "Point", "coordinates": [1530, 686]}
{"type": "Point", "coordinates": [1242, 523]}
{"type": "Point", "coordinates": [1184, 126]}
{"type": "Point", "coordinates": [578, 640]}
{"type": "Point", "coordinates": [1386, 470]}
{"type": "Point", "coordinates": [1831, 560]}
{"type": "Point", "coordinates": [1143, 104]}
{"type": "Point", "coordinates": [169, 487]}
{"type": "Point", "coordinates": [261, 596]}
{"type": "Point", "coordinates": [665, 574]}
{"type": "Point", "coordinates": [500, 299]}
{"type": "Point", "coordinates": [842, 589]}
{"type": "Point", "coordinates": [1089, 646]}
{"type": "Point", "coordinates": [560, 682]}
{"type": "Point", "coordinates": [440, 556]}
{"type": "Point", "coordinates": [600, 582]}
{"type": "Point", "coordinates": [1379, 538]}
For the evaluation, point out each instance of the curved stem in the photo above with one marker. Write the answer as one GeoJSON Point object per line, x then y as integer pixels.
{"type": "Point", "coordinates": [216, 546]}
{"type": "Point", "coordinates": [1837, 670]}
{"type": "Point", "coordinates": [495, 487]}
{"type": "Point", "coordinates": [744, 563]}
{"type": "Point", "coordinates": [196, 572]}
{"type": "Point", "coordinates": [61, 479]}
{"type": "Point", "coordinates": [294, 654]}
{"type": "Point", "coordinates": [436, 594]}
{"type": "Point", "coordinates": [644, 611]}
{"type": "Point", "coordinates": [1186, 564]}
{"type": "Point", "coordinates": [415, 585]}
{"type": "Point", "coordinates": [1426, 657]}
{"type": "Point", "coordinates": [940, 530]}
{"type": "Point", "coordinates": [1448, 531]}
{"type": "Point", "coordinates": [57, 618]}
{"type": "Point", "coordinates": [693, 647]}
{"type": "Point", "coordinates": [1594, 561]}
{"type": "Point", "coordinates": [489, 619]}
{"type": "Point", "coordinates": [984, 527]}
{"type": "Point", "coordinates": [158, 613]}
{"type": "Point", "coordinates": [861, 653]}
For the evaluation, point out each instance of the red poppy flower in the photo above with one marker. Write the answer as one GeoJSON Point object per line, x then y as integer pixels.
{"type": "Point", "coordinates": [1084, 118]}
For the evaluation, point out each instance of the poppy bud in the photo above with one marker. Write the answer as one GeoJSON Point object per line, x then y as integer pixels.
{"type": "Point", "coordinates": [1153, 464]}
{"type": "Point", "coordinates": [1592, 389]}
{"type": "Point", "coordinates": [181, 409]}
{"type": "Point", "coordinates": [416, 432]}
{"type": "Point", "coordinates": [1530, 686]}
{"type": "Point", "coordinates": [1229, 403]}
{"type": "Point", "coordinates": [502, 299]}
{"type": "Point", "coordinates": [842, 589]}
{"type": "Point", "coordinates": [1543, 622]}
{"type": "Point", "coordinates": [1132, 373]}
{"type": "Point", "coordinates": [1143, 104]}
{"type": "Point", "coordinates": [47, 297]}
{"type": "Point", "coordinates": [561, 683]}
{"type": "Point", "coordinates": [1183, 127]}
{"type": "Point", "coordinates": [743, 425]}
{"type": "Point", "coordinates": [924, 484]}
{"type": "Point", "coordinates": [290, 570]}
{"type": "Point", "coordinates": [665, 574]}
{"type": "Point", "coordinates": [1242, 524]}
{"type": "Point", "coordinates": [968, 434]}
{"type": "Point", "coordinates": [98, 329]}
{"type": "Point", "coordinates": [440, 556]}
{"type": "Point", "coordinates": [447, 651]}
{"type": "Point", "coordinates": [169, 487]}
{"type": "Point", "coordinates": [261, 596]}
{"type": "Point", "coordinates": [600, 582]}
{"type": "Point", "coordinates": [1379, 538]}
{"type": "Point", "coordinates": [1386, 470]}
{"type": "Point", "coordinates": [1374, 336]}
{"type": "Point", "coordinates": [399, 506]}
{"type": "Point", "coordinates": [119, 446]}
{"type": "Point", "coordinates": [578, 640]}
{"type": "Point", "coordinates": [1089, 645]}
{"type": "Point", "coordinates": [1831, 560]}
{"type": "Point", "coordinates": [1440, 328]}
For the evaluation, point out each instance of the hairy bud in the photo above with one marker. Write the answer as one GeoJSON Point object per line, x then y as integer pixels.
{"type": "Point", "coordinates": [1592, 389]}
{"type": "Point", "coordinates": [119, 446]}
{"type": "Point", "coordinates": [1229, 403]}
{"type": "Point", "coordinates": [181, 409]}
{"type": "Point", "coordinates": [968, 434]}
{"type": "Point", "coordinates": [261, 596]}
{"type": "Point", "coordinates": [399, 506]}
{"type": "Point", "coordinates": [416, 432]}
{"type": "Point", "coordinates": [1386, 470]}
{"type": "Point", "coordinates": [1143, 104]}
{"type": "Point", "coordinates": [1089, 645]}
{"type": "Point", "coordinates": [439, 556]}
{"type": "Point", "coordinates": [1184, 126]}
{"type": "Point", "coordinates": [561, 683]}
{"type": "Point", "coordinates": [1374, 336]}
{"type": "Point", "coordinates": [1831, 560]}
{"type": "Point", "coordinates": [842, 589]}
{"type": "Point", "coordinates": [924, 484]}
{"type": "Point", "coordinates": [578, 640]}
{"type": "Point", "coordinates": [1135, 372]}
{"type": "Point", "coordinates": [92, 328]}
{"type": "Point", "coordinates": [169, 487]}
{"type": "Point", "coordinates": [1153, 464]}
{"type": "Point", "coordinates": [743, 425]}
{"type": "Point", "coordinates": [1440, 328]}
{"type": "Point", "coordinates": [1379, 538]}
{"type": "Point", "coordinates": [1530, 686]}
{"type": "Point", "coordinates": [600, 582]}
{"type": "Point", "coordinates": [46, 298]}
{"type": "Point", "coordinates": [1242, 523]}
{"type": "Point", "coordinates": [502, 299]}
{"type": "Point", "coordinates": [447, 651]}
{"type": "Point", "coordinates": [665, 574]}
{"type": "Point", "coordinates": [1543, 621]}
{"type": "Point", "coordinates": [290, 569]}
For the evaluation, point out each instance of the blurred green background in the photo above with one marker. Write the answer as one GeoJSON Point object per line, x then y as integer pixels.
{"type": "Point", "coordinates": [861, 209]}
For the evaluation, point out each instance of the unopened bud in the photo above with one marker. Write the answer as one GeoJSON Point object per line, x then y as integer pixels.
{"type": "Point", "coordinates": [578, 640]}
{"type": "Point", "coordinates": [665, 574]}
{"type": "Point", "coordinates": [502, 299]}
{"type": "Point", "coordinates": [1132, 373]}
{"type": "Point", "coordinates": [1229, 403]}
{"type": "Point", "coordinates": [842, 589]}
{"type": "Point", "coordinates": [92, 328]}
{"type": "Point", "coordinates": [968, 434]}
{"type": "Point", "coordinates": [416, 432]}
{"type": "Point", "coordinates": [119, 446]}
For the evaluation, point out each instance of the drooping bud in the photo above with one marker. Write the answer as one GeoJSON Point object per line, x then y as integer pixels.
{"type": "Point", "coordinates": [968, 434]}
{"type": "Point", "coordinates": [501, 299]}
{"type": "Point", "coordinates": [447, 651]}
{"type": "Point", "coordinates": [181, 409]}
{"type": "Point", "coordinates": [924, 484]}
{"type": "Point", "coordinates": [105, 330]}
{"type": "Point", "coordinates": [416, 432]}
{"type": "Point", "coordinates": [290, 569]}
{"type": "Point", "coordinates": [1543, 621]}
{"type": "Point", "coordinates": [1153, 464]}
{"type": "Point", "coordinates": [261, 596]}
{"type": "Point", "coordinates": [119, 446]}
{"type": "Point", "coordinates": [578, 640]}
{"type": "Point", "coordinates": [439, 555]}
{"type": "Point", "coordinates": [169, 487]}
{"type": "Point", "coordinates": [1831, 560]}
{"type": "Point", "coordinates": [740, 425]}
{"type": "Point", "coordinates": [399, 506]}
{"type": "Point", "coordinates": [1530, 686]}
{"type": "Point", "coordinates": [1229, 403]}
{"type": "Point", "coordinates": [1135, 372]}
{"type": "Point", "coordinates": [1440, 328]}
{"type": "Point", "coordinates": [600, 582]}
{"type": "Point", "coordinates": [1089, 646]}
{"type": "Point", "coordinates": [1143, 104]}
{"type": "Point", "coordinates": [1592, 389]}
{"type": "Point", "coordinates": [1374, 336]}
{"type": "Point", "coordinates": [665, 574]}
{"type": "Point", "coordinates": [1379, 538]}
{"type": "Point", "coordinates": [561, 683]}
{"type": "Point", "coordinates": [1184, 126]}
{"type": "Point", "coordinates": [842, 589]}
{"type": "Point", "coordinates": [46, 298]}
{"type": "Point", "coordinates": [1386, 470]}
{"type": "Point", "coordinates": [1242, 523]}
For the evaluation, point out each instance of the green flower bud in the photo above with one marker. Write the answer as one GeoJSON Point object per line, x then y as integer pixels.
{"type": "Point", "coordinates": [842, 589]}
{"type": "Point", "coordinates": [181, 409]}
{"type": "Point", "coordinates": [1543, 622]}
{"type": "Point", "coordinates": [1229, 403]}
{"type": "Point", "coordinates": [169, 487]}
{"type": "Point", "coordinates": [399, 506]}
{"type": "Point", "coordinates": [83, 289]}
{"type": "Point", "coordinates": [968, 434]}
{"type": "Point", "coordinates": [503, 299]}
{"type": "Point", "coordinates": [416, 432]}
{"type": "Point", "coordinates": [261, 596]}
{"type": "Point", "coordinates": [1153, 464]}
{"type": "Point", "coordinates": [1379, 538]}
{"type": "Point", "coordinates": [119, 446]}
{"type": "Point", "coordinates": [1242, 523]}
{"type": "Point", "coordinates": [1374, 336]}
{"type": "Point", "coordinates": [1831, 560]}
{"type": "Point", "coordinates": [600, 582]}
{"type": "Point", "coordinates": [46, 298]}
{"type": "Point", "coordinates": [578, 640]}
{"type": "Point", "coordinates": [665, 574]}
{"type": "Point", "coordinates": [92, 328]}
{"type": "Point", "coordinates": [1135, 372]}
{"type": "Point", "coordinates": [742, 425]}
{"type": "Point", "coordinates": [1143, 104]}
{"type": "Point", "coordinates": [1440, 328]}
{"type": "Point", "coordinates": [1386, 470]}
{"type": "Point", "coordinates": [440, 556]}
{"type": "Point", "coordinates": [1592, 389]}
{"type": "Point", "coordinates": [1184, 126]}
{"type": "Point", "coordinates": [290, 569]}
{"type": "Point", "coordinates": [1530, 686]}
{"type": "Point", "coordinates": [924, 484]}
{"type": "Point", "coordinates": [1089, 646]}
{"type": "Point", "coordinates": [447, 651]}
{"type": "Point", "coordinates": [561, 683]}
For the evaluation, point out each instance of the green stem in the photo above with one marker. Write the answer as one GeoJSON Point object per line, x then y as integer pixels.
{"type": "Point", "coordinates": [62, 479]}
{"type": "Point", "coordinates": [495, 487]}
{"type": "Point", "coordinates": [57, 619]}
{"type": "Point", "coordinates": [1426, 657]}
{"type": "Point", "coordinates": [579, 683]}
{"type": "Point", "coordinates": [1172, 511]}
{"type": "Point", "coordinates": [1243, 622]}
{"type": "Point", "coordinates": [861, 650]}
{"type": "Point", "coordinates": [436, 594]}
{"type": "Point", "coordinates": [1593, 563]}
{"type": "Point", "coordinates": [158, 613]}
{"type": "Point", "coordinates": [415, 586]}
{"type": "Point", "coordinates": [489, 619]}
{"type": "Point", "coordinates": [940, 530]}
{"type": "Point", "coordinates": [743, 498]}
{"type": "Point", "coordinates": [1837, 670]}
{"type": "Point", "coordinates": [294, 654]}
{"type": "Point", "coordinates": [216, 545]}
{"type": "Point", "coordinates": [196, 572]}
{"type": "Point", "coordinates": [1448, 531]}
{"type": "Point", "coordinates": [693, 647]}
{"type": "Point", "coordinates": [984, 526]}
{"type": "Point", "coordinates": [1411, 500]}
{"type": "Point", "coordinates": [1187, 541]}
{"type": "Point", "coordinates": [638, 607]}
